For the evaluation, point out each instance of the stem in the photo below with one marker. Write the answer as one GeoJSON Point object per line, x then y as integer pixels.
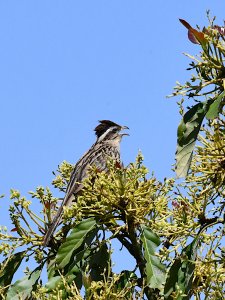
{"type": "Point", "coordinates": [33, 216]}
{"type": "Point", "coordinates": [138, 255]}
{"type": "Point", "coordinates": [24, 219]}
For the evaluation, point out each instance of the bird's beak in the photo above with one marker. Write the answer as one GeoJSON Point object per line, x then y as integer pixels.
{"type": "Point", "coordinates": [122, 128]}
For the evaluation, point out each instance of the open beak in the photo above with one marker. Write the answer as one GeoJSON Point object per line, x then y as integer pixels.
{"type": "Point", "coordinates": [123, 128]}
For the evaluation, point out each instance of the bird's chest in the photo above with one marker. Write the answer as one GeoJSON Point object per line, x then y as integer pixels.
{"type": "Point", "coordinates": [111, 150]}
{"type": "Point", "coordinates": [98, 157]}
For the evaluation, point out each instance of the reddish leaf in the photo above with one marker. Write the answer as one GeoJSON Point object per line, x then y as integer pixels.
{"type": "Point", "coordinates": [195, 36]}
{"type": "Point", "coordinates": [198, 35]}
{"type": "Point", "coordinates": [186, 24]}
{"type": "Point", "coordinates": [192, 38]}
{"type": "Point", "coordinates": [14, 229]}
{"type": "Point", "coordinates": [47, 205]}
{"type": "Point", "coordinates": [118, 165]}
{"type": "Point", "coordinates": [220, 29]}
{"type": "Point", "coordinates": [175, 204]}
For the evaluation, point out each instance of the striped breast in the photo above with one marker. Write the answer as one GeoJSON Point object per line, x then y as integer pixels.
{"type": "Point", "coordinates": [97, 156]}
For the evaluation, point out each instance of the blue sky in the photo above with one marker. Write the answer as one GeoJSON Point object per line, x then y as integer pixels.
{"type": "Point", "coordinates": [66, 64]}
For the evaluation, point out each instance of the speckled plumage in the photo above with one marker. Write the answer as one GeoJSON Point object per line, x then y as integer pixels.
{"type": "Point", "coordinates": [106, 146]}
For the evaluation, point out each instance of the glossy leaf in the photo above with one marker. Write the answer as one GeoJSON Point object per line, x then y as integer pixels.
{"type": "Point", "coordinates": [214, 108]}
{"type": "Point", "coordinates": [180, 276]}
{"type": "Point", "coordinates": [199, 36]}
{"type": "Point", "coordinates": [125, 282]}
{"type": "Point", "coordinates": [74, 241]}
{"type": "Point", "coordinates": [195, 36]}
{"type": "Point", "coordinates": [51, 268]}
{"type": "Point", "coordinates": [9, 267]}
{"type": "Point", "coordinates": [192, 37]}
{"type": "Point", "coordinates": [72, 271]}
{"type": "Point", "coordinates": [185, 23]}
{"type": "Point", "coordinates": [187, 135]}
{"type": "Point", "coordinates": [22, 288]}
{"type": "Point", "coordinates": [100, 263]}
{"type": "Point", "coordinates": [74, 274]}
{"type": "Point", "coordinates": [59, 282]}
{"type": "Point", "coordinates": [53, 283]}
{"type": "Point", "coordinates": [155, 270]}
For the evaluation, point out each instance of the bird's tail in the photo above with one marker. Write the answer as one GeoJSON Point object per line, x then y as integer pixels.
{"type": "Point", "coordinates": [53, 226]}
{"type": "Point", "coordinates": [67, 201]}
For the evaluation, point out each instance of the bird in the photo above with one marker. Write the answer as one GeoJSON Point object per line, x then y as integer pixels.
{"type": "Point", "coordinates": [107, 146]}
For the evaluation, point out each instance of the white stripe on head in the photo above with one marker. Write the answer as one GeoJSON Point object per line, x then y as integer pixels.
{"type": "Point", "coordinates": [105, 133]}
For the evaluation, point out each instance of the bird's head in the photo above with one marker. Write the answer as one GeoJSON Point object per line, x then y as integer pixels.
{"type": "Point", "coordinates": [110, 131]}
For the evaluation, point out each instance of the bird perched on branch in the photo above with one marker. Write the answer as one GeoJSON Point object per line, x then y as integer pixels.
{"type": "Point", "coordinates": [106, 146]}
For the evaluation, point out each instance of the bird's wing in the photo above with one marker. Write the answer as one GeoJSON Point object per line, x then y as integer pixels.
{"type": "Point", "coordinates": [73, 188]}
{"type": "Point", "coordinates": [97, 155]}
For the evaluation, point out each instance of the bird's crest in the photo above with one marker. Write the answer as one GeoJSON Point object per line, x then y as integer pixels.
{"type": "Point", "coordinates": [104, 126]}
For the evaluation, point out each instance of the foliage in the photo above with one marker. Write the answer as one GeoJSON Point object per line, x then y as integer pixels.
{"type": "Point", "coordinates": [206, 87]}
{"type": "Point", "coordinates": [174, 231]}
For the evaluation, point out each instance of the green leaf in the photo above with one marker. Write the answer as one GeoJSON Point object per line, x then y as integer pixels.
{"type": "Point", "coordinates": [53, 283]}
{"type": "Point", "coordinates": [58, 282]}
{"type": "Point", "coordinates": [73, 270]}
{"type": "Point", "coordinates": [181, 273]}
{"type": "Point", "coordinates": [22, 288]}
{"type": "Point", "coordinates": [51, 268]}
{"type": "Point", "coordinates": [9, 267]}
{"type": "Point", "coordinates": [172, 279]}
{"type": "Point", "coordinates": [126, 282]}
{"type": "Point", "coordinates": [74, 241]}
{"type": "Point", "coordinates": [125, 279]}
{"type": "Point", "coordinates": [214, 108]}
{"type": "Point", "coordinates": [155, 270]}
{"type": "Point", "coordinates": [100, 263]}
{"type": "Point", "coordinates": [187, 135]}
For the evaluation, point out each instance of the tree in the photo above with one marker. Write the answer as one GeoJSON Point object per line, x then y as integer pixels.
{"type": "Point", "coordinates": [173, 230]}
